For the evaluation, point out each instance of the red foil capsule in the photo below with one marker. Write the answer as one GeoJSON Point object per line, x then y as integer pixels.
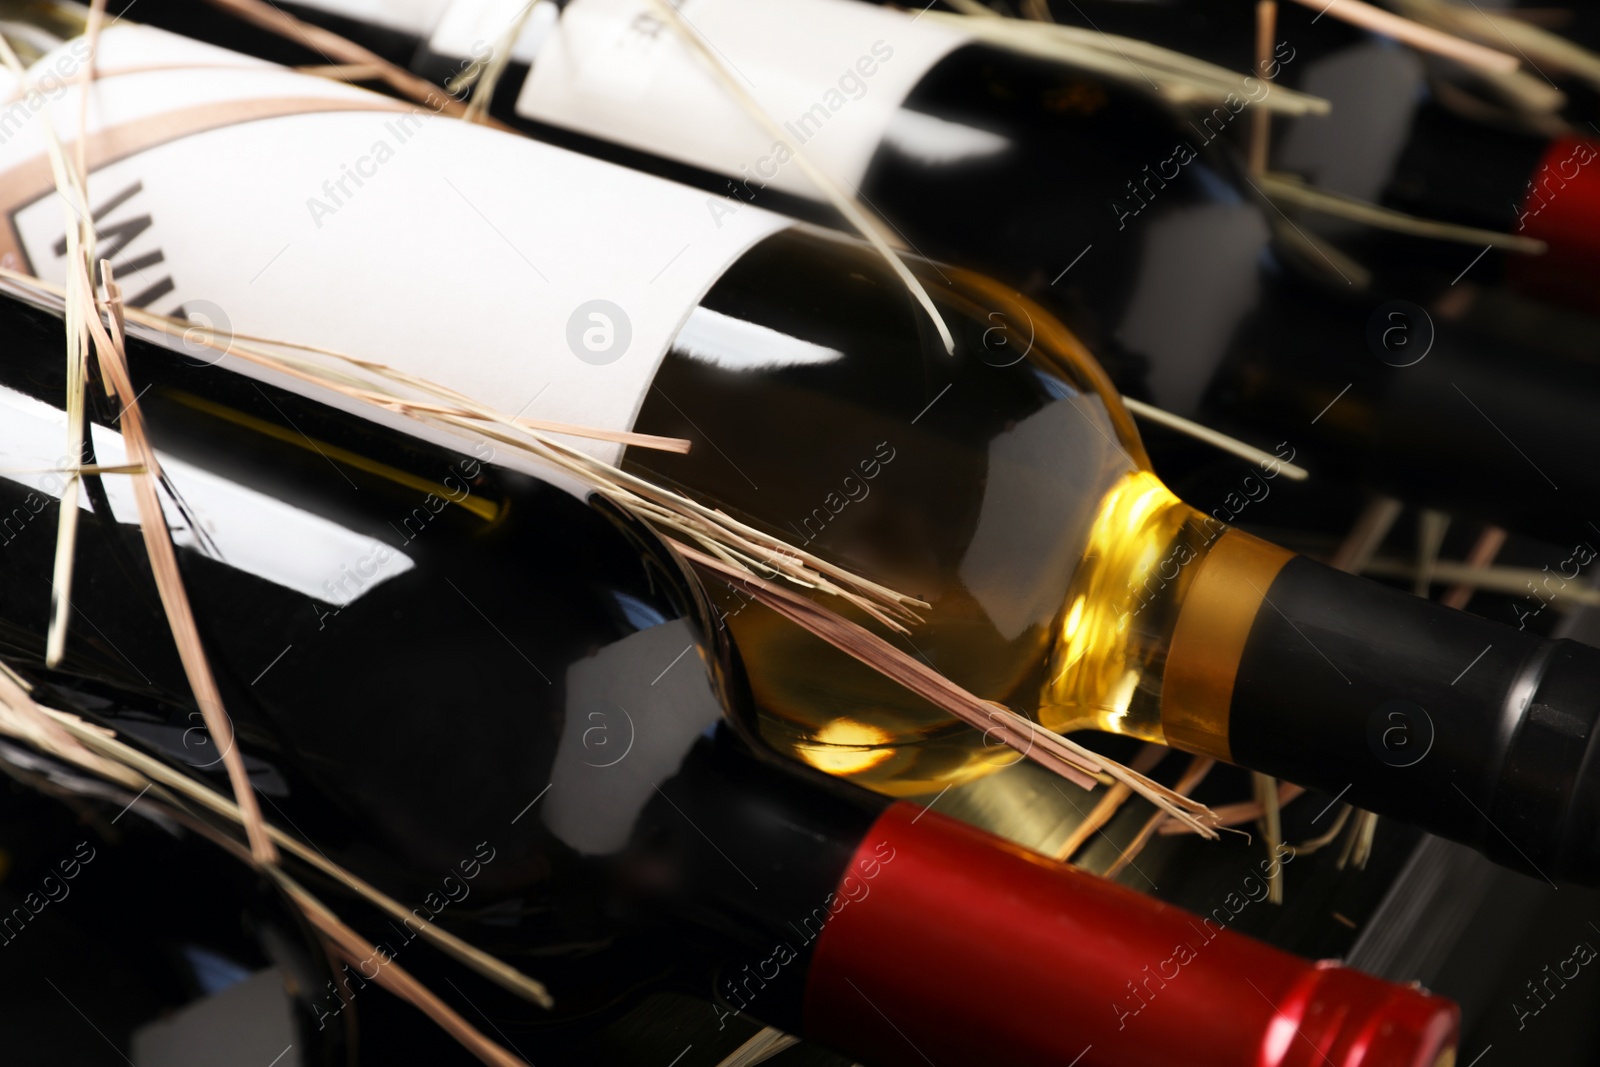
{"type": "Point", "coordinates": [953, 950]}
{"type": "Point", "coordinates": [1562, 208]}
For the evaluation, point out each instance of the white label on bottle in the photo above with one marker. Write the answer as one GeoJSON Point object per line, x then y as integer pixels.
{"type": "Point", "coordinates": [252, 531]}
{"type": "Point", "coordinates": [543, 283]}
{"type": "Point", "coordinates": [832, 73]}
{"type": "Point", "coordinates": [415, 17]}
{"type": "Point", "coordinates": [473, 28]}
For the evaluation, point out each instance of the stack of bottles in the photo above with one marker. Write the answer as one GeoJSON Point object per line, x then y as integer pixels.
{"type": "Point", "coordinates": [440, 654]}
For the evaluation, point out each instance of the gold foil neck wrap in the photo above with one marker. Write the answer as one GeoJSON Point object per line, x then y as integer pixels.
{"type": "Point", "coordinates": [1208, 641]}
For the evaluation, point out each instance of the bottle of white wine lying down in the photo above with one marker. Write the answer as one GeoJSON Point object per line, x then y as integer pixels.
{"type": "Point", "coordinates": [1002, 483]}
{"type": "Point", "coordinates": [513, 719]}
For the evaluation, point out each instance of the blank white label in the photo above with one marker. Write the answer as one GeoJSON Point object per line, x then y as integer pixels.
{"type": "Point", "coordinates": [832, 72]}
{"type": "Point", "coordinates": [542, 282]}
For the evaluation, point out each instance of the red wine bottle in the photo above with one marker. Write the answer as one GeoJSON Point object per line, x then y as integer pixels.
{"type": "Point", "coordinates": [1131, 221]}
{"type": "Point", "coordinates": [515, 717]}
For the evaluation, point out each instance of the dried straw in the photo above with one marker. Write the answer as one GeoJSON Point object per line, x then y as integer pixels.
{"type": "Point", "coordinates": [1112, 801]}
{"type": "Point", "coordinates": [1198, 768]}
{"type": "Point", "coordinates": [79, 232]}
{"type": "Point", "coordinates": [1291, 190]}
{"type": "Point", "coordinates": [23, 719]}
{"type": "Point", "coordinates": [1321, 257]}
{"type": "Point", "coordinates": [759, 1049]}
{"type": "Point", "coordinates": [1261, 119]}
{"type": "Point", "coordinates": [1316, 844]}
{"type": "Point", "coordinates": [1423, 38]}
{"type": "Point", "coordinates": [1238, 814]}
{"type": "Point", "coordinates": [1432, 526]}
{"type": "Point", "coordinates": [1044, 746]}
{"type": "Point", "coordinates": [1215, 438]}
{"type": "Point", "coordinates": [1362, 542]}
{"type": "Point", "coordinates": [164, 566]}
{"type": "Point", "coordinates": [1358, 845]}
{"type": "Point", "coordinates": [343, 72]}
{"type": "Point", "coordinates": [341, 51]}
{"type": "Point", "coordinates": [1177, 77]}
{"type": "Point", "coordinates": [1539, 47]}
{"type": "Point", "coordinates": [868, 226]}
{"type": "Point", "coordinates": [1482, 553]}
{"type": "Point", "coordinates": [487, 77]}
{"type": "Point", "coordinates": [1271, 824]}
{"type": "Point", "coordinates": [99, 751]}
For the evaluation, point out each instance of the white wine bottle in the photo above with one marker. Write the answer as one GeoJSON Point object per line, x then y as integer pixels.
{"type": "Point", "coordinates": [1004, 483]}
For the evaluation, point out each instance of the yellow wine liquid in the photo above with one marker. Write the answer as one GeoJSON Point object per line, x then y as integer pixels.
{"type": "Point", "coordinates": [1097, 666]}
{"type": "Point", "coordinates": [1005, 485]}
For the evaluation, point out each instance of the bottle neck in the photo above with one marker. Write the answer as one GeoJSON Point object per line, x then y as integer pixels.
{"type": "Point", "coordinates": [852, 931]}
{"type": "Point", "coordinates": [1066, 967]}
{"type": "Point", "coordinates": [1473, 730]}
{"type": "Point", "coordinates": [1183, 631]}
{"type": "Point", "coordinates": [1106, 663]}
{"type": "Point", "coordinates": [1414, 401]}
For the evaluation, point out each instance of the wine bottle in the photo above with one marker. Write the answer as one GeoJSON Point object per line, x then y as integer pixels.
{"type": "Point", "coordinates": [1132, 223]}
{"type": "Point", "coordinates": [1004, 484]}
{"type": "Point", "coordinates": [510, 709]}
{"type": "Point", "coordinates": [1404, 133]}
{"type": "Point", "coordinates": [162, 942]}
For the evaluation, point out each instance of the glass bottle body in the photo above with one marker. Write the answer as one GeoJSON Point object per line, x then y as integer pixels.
{"type": "Point", "coordinates": [995, 484]}
{"type": "Point", "coordinates": [827, 410]}
{"type": "Point", "coordinates": [450, 641]}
